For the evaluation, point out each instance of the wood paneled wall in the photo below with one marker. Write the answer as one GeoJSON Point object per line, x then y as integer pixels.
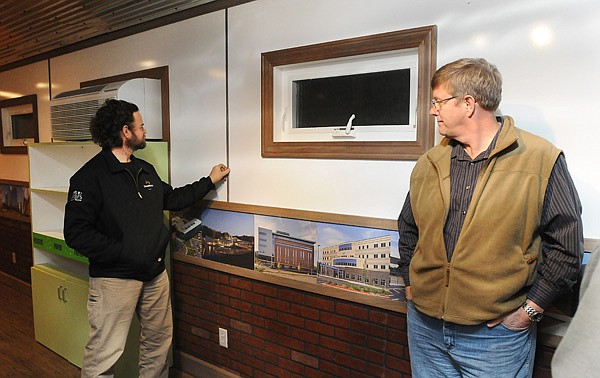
{"type": "Point", "coordinates": [15, 237]}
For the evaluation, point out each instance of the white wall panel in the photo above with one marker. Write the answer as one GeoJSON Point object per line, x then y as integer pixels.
{"type": "Point", "coordinates": [366, 188]}
{"type": "Point", "coordinates": [194, 50]}
{"type": "Point", "coordinates": [541, 47]}
{"type": "Point", "coordinates": [19, 82]}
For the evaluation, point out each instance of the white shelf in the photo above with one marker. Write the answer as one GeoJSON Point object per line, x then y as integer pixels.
{"type": "Point", "coordinates": [51, 165]}
{"type": "Point", "coordinates": [77, 268]}
{"type": "Point", "coordinates": [47, 210]}
{"type": "Point", "coordinates": [56, 234]}
{"type": "Point", "coordinates": [56, 189]}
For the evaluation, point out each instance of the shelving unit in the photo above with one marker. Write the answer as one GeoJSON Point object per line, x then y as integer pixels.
{"type": "Point", "coordinates": [50, 167]}
{"type": "Point", "coordinates": [59, 281]}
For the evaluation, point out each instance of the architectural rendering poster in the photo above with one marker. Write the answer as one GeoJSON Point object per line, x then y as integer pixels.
{"type": "Point", "coordinates": [215, 235]}
{"type": "Point", "coordinates": [286, 247]}
{"type": "Point", "coordinates": [14, 199]}
{"type": "Point", "coordinates": [358, 259]}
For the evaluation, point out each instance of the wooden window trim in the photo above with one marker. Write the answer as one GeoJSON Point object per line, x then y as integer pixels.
{"type": "Point", "coordinates": [422, 38]}
{"type": "Point", "coordinates": [14, 102]}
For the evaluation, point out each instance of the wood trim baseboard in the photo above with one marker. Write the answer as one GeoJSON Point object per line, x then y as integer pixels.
{"type": "Point", "coordinates": [15, 283]}
{"type": "Point", "coordinates": [199, 368]}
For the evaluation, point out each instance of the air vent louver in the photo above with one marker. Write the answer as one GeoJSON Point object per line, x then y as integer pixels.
{"type": "Point", "coordinates": [72, 121]}
{"type": "Point", "coordinates": [72, 111]}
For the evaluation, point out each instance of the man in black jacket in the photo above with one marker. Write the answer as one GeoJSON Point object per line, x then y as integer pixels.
{"type": "Point", "coordinates": [114, 216]}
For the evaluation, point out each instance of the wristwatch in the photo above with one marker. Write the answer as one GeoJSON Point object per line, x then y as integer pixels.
{"type": "Point", "coordinates": [534, 315]}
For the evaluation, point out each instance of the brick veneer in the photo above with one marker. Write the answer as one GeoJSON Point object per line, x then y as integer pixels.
{"type": "Point", "coordinates": [282, 332]}
{"type": "Point", "coordinates": [543, 358]}
{"type": "Point", "coordinates": [276, 331]}
{"type": "Point", "coordinates": [15, 237]}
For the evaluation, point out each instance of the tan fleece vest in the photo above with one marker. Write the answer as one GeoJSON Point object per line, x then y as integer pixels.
{"type": "Point", "coordinates": [498, 248]}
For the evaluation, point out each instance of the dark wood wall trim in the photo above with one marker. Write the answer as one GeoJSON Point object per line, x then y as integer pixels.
{"type": "Point", "coordinates": [316, 216]}
{"type": "Point", "coordinates": [14, 182]}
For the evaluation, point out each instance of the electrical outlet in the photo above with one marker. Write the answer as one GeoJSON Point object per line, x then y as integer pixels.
{"type": "Point", "coordinates": [223, 338]}
{"type": "Point", "coordinates": [14, 258]}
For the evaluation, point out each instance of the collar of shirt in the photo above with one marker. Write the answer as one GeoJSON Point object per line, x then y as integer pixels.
{"type": "Point", "coordinates": [459, 153]}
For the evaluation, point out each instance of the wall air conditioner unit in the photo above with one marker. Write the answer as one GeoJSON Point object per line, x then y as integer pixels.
{"type": "Point", "coordinates": [72, 111]}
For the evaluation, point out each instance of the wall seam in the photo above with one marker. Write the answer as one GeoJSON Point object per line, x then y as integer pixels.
{"type": "Point", "coordinates": [227, 138]}
{"type": "Point", "coordinates": [49, 80]}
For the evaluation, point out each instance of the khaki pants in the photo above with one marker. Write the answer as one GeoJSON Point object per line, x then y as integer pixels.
{"type": "Point", "coordinates": [111, 305]}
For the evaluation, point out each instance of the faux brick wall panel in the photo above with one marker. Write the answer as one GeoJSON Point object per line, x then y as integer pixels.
{"type": "Point", "coordinates": [322, 303]}
{"type": "Point", "coordinates": [543, 358]}
{"type": "Point", "coordinates": [320, 328]}
{"type": "Point", "coordinates": [15, 238]}
{"type": "Point", "coordinates": [350, 311]}
{"type": "Point", "coordinates": [276, 331]}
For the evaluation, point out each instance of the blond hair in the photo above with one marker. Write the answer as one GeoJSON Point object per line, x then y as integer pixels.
{"type": "Point", "coordinates": [471, 76]}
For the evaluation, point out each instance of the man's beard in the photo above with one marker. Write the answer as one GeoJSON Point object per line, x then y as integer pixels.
{"type": "Point", "coordinates": [136, 143]}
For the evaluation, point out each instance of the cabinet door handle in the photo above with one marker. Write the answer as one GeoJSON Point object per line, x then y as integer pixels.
{"type": "Point", "coordinates": [61, 293]}
{"type": "Point", "coordinates": [64, 294]}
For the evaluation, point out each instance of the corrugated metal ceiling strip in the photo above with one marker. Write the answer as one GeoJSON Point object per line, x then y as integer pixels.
{"type": "Point", "coordinates": [30, 28]}
{"type": "Point", "coordinates": [56, 17]}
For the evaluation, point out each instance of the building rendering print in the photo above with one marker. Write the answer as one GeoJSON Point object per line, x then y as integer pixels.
{"type": "Point", "coordinates": [215, 235]}
{"type": "Point", "coordinates": [364, 265]}
{"type": "Point", "coordinates": [280, 250]}
{"type": "Point", "coordinates": [352, 258]}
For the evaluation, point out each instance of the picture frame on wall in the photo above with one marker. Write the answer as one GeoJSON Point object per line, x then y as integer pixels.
{"type": "Point", "coordinates": [340, 259]}
{"type": "Point", "coordinates": [15, 200]}
{"type": "Point", "coordinates": [19, 124]}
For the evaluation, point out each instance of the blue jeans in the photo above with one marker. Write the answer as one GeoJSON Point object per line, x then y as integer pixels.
{"type": "Point", "coordinates": [441, 349]}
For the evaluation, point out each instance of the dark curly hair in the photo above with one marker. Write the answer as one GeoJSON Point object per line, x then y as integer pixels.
{"type": "Point", "coordinates": [108, 122]}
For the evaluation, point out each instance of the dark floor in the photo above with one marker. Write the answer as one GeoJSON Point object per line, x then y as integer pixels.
{"type": "Point", "coordinates": [20, 355]}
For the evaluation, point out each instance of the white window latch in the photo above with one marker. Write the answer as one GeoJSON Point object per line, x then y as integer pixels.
{"type": "Point", "coordinates": [348, 132]}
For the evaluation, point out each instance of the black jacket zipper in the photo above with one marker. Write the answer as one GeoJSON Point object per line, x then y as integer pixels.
{"type": "Point", "coordinates": [136, 181]}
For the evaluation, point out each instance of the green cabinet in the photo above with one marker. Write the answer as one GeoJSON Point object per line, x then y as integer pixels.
{"type": "Point", "coordinates": [61, 322]}
{"type": "Point", "coordinates": [59, 311]}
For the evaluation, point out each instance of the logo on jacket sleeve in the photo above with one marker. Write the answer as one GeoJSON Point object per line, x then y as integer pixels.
{"type": "Point", "coordinates": [77, 196]}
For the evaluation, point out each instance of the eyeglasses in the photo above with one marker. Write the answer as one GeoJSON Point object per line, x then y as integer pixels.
{"type": "Point", "coordinates": [436, 103]}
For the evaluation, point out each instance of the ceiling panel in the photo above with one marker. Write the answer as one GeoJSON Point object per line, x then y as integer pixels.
{"type": "Point", "coordinates": [30, 28]}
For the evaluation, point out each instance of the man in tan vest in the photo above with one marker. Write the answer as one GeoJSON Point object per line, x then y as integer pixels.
{"type": "Point", "coordinates": [490, 233]}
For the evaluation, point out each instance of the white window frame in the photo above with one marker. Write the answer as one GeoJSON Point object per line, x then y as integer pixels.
{"type": "Point", "coordinates": [284, 127]}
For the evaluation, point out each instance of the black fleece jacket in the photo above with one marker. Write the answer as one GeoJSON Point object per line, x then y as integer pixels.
{"type": "Point", "coordinates": [114, 215]}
